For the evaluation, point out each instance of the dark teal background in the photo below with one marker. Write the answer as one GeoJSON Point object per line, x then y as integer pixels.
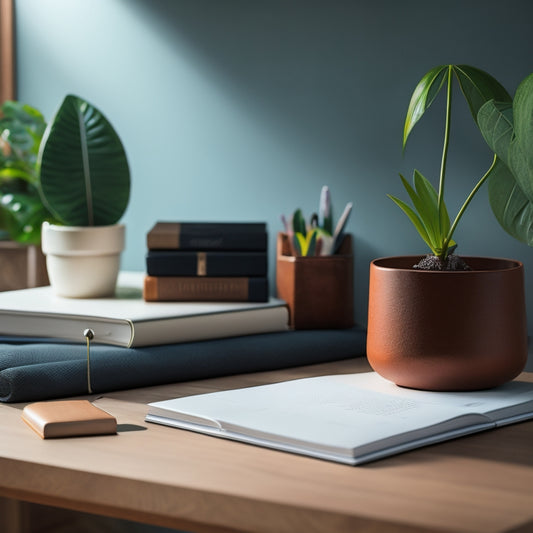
{"type": "Point", "coordinates": [242, 110]}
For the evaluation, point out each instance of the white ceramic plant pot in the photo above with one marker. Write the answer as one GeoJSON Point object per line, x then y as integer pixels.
{"type": "Point", "coordinates": [83, 262]}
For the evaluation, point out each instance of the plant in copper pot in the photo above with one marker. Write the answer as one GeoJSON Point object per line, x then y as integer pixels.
{"type": "Point", "coordinates": [511, 170]}
{"type": "Point", "coordinates": [443, 322]}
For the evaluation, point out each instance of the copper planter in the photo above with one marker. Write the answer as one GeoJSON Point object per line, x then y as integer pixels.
{"type": "Point", "coordinates": [318, 290]}
{"type": "Point", "coordinates": [447, 330]}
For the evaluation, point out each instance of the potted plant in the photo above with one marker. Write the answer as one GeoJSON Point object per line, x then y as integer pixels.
{"type": "Point", "coordinates": [440, 321]}
{"type": "Point", "coordinates": [21, 209]}
{"type": "Point", "coordinates": [85, 183]}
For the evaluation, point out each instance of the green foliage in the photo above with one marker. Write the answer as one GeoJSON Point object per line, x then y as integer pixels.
{"type": "Point", "coordinates": [423, 96]}
{"type": "Point", "coordinates": [429, 214]}
{"type": "Point", "coordinates": [298, 223]}
{"type": "Point", "coordinates": [508, 130]}
{"type": "Point", "coordinates": [305, 243]}
{"type": "Point", "coordinates": [304, 238]}
{"type": "Point", "coordinates": [21, 209]}
{"type": "Point", "coordinates": [431, 220]}
{"type": "Point", "coordinates": [318, 237]}
{"type": "Point", "coordinates": [84, 173]}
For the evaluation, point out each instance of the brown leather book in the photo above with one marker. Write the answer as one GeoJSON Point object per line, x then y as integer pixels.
{"type": "Point", "coordinates": [68, 418]}
{"type": "Point", "coordinates": [194, 289]}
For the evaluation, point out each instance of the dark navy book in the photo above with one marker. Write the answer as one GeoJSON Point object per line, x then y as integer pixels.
{"type": "Point", "coordinates": [208, 236]}
{"type": "Point", "coordinates": [183, 263]}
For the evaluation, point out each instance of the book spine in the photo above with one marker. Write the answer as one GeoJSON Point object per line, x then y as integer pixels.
{"type": "Point", "coordinates": [177, 263]}
{"type": "Point", "coordinates": [198, 236]}
{"type": "Point", "coordinates": [177, 288]}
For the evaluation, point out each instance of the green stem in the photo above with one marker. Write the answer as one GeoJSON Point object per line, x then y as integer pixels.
{"type": "Point", "coordinates": [446, 138]}
{"type": "Point", "coordinates": [467, 202]}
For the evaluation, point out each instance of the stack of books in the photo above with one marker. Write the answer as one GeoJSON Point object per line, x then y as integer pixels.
{"type": "Point", "coordinates": [204, 261]}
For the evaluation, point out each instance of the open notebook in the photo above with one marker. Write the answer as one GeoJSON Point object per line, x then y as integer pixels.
{"type": "Point", "coordinates": [350, 419]}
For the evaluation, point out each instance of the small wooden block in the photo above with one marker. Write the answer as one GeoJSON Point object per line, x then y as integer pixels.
{"type": "Point", "coordinates": [68, 418]}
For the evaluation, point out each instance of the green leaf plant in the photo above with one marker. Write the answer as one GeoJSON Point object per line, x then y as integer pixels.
{"type": "Point", "coordinates": [428, 212]}
{"type": "Point", "coordinates": [508, 130]}
{"type": "Point", "coordinates": [318, 237]}
{"type": "Point", "coordinates": [21, 209]}
{"type": "Point", "coordinates": [307, 240]}
{"type": "Point", "coordinates": [84, 172]}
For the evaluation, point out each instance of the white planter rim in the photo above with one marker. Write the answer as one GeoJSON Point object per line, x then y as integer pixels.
{"type": "Point", "coordinates": [82, 240]}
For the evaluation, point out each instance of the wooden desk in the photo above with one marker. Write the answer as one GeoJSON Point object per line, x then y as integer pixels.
{"type": "Point", "coordinates": [164, 476]}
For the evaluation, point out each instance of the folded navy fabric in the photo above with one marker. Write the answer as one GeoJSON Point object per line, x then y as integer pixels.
{"type": "Point", "coordinates": [31, 371]}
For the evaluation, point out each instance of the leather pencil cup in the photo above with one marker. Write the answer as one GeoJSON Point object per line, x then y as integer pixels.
{"type": "Point", "coordinates": [318, 290]}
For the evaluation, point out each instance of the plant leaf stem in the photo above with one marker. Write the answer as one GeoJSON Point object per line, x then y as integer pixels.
{"type": "Point", "coordinates": [467, 201]}
{"type": "Point", "coordinates": [446, 138]}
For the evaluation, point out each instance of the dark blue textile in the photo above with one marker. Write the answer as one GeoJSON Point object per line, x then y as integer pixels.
{"type": "Point", "coordinates": [31, 371]}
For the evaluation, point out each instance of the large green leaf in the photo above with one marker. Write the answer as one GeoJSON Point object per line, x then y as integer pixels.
{"type": "Point", "coordinates": [479, 87]}
{"type": "Point", "coordinates": [495, 121]}
{"type": "Point", "coordinates": [84, 171]}
{"type": "Point", "coordinates": [423, 95]}
{"type": "Point", "coordinates": [510, 205]}
{"type": "Point", "coordinates": [521, 149]}
{"type": "Point", "coordinates": [506, 131]}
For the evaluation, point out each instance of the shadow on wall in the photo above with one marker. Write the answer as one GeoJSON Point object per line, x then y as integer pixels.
{"type": "Point", "coordinates": [307, 72]}
{"type": "Point", "coordinates": [333, 76]}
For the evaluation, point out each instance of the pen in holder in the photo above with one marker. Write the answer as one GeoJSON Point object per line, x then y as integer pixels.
{"type": "Point", "coordinates": [319, 289]}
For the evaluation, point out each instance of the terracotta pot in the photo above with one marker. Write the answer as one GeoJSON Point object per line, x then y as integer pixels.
{"type": "Point", "coordinates": [447, 330]}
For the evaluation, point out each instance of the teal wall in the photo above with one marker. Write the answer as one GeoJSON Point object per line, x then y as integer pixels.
{"type": "Point", "coordinates": [243, 109]}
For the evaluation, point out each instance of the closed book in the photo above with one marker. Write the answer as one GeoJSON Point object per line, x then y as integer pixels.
{"type": "Point", "coordinates": [185, 288]}
{"type": "Point", "coordinates": [68, 418]}
{"type": "Point", "coordinates": [128, 320]}
{"type": "Point", "coordinates": [189, 263]}
{"type": "Point", "coordinates": [207, 236]}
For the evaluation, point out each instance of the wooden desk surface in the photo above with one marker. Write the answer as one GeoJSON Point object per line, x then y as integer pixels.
{"type": "Point", "coordinates": [180, 479]}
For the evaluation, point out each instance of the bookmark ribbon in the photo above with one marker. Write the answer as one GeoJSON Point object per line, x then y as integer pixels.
{"type": "Point", "coordinates": [89, 335]}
